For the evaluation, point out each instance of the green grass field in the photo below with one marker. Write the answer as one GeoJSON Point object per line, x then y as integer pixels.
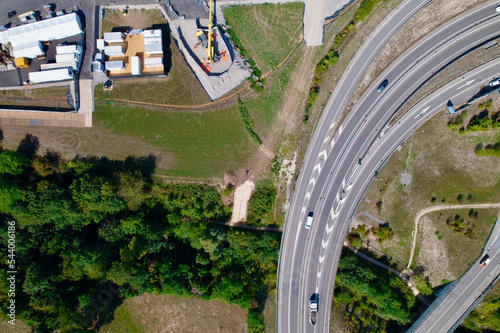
{"type": "Point", "coordinates": [268, 32]}
{"type": "Point", "coordinates": [202, 145]}
{"type": "Point", "coordinates": [50, 97]}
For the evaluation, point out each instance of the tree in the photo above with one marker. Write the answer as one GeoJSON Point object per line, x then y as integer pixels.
{"type": "Point", "coordinates": [12, 162]}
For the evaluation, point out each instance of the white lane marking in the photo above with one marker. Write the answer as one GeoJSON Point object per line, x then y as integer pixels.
{"type": "Point", "coordinates": [333, 124]}
{"type": "Point", "coordinates": [424, 110]}
{"type": "Point", "coordinates": [323, 152]}
{"type": "Point", "coordinates": [343, 183]}
{"type": "Point", "coordinates": [312, 181]}
{"type": "Point", "coordinates": [318, 275]}
{"type": "Point", "coordinates": [308, 195]}
{"type": "Point", "coordinates": [348, 188]}
{"type": "Point", "coordinates": [332, 143]}
{"type": "Point", "coordinates": [341, 129]}
{"type": "Point", "coordinates": [317, 166]}
{"type": "Point", "coordinates": [323, 244]}
{"type": "Point", "coordinates": [328, 230]}
{"type": "Point", "coordinates": [466, 84]}
{"type": "Point", "coordinates": [321, 259]}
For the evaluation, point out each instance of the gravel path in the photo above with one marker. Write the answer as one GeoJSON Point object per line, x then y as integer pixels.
{"type": "Point", "coordinates": [424, 211]}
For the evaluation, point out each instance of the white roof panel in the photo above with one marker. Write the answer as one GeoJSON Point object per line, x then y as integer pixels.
{"type": "Point", "coordinates": [51, 75]}
{"type": "Point", "coordinates": [49, 29]}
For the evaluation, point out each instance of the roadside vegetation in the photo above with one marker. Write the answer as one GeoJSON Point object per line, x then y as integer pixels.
{"type": "Point", "coordinates": [261, 204]}
{"type": "Point", "coordinates": [372, 297]}
{"type": "Point", "coordinates": [444, 170]}
{"type": "Point", "coordinates": [486, 315]}
{"type": "Point", "coordinates": [94, 226]}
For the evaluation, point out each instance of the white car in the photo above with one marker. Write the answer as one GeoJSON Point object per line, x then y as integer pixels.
{"type": "Point", "coordinates": [495, 82]}
{"type": "Point", "coordinates": [497, 9]}
{"type": "Point", "coordinates": [309, 220]}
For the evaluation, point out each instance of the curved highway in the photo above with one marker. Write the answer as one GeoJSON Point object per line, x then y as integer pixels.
{"type": "Point", "coordinates": [309, 258]}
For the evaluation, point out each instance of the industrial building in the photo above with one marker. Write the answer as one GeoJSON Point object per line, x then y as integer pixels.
{"type": "Point", "coordinates": [26, 40]}
{"type": "Point", "coordinates": [138, 52]}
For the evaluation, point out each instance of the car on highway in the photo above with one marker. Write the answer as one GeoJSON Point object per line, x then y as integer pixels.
{"type": "Point", "coordinates": [497, 9]}
{"type": "Point", "coordinates": [313, 308]}
{"type": "Point", "coordinates": [382, 86]}
{"type": "Point", "coordinates": [309, 220]}
{"type": "Point", "coordinates": [494, 83]}
{"type": "Point", "coordinates": [485, 261]}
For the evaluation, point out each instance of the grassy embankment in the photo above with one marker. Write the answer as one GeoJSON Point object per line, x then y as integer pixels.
{"type": "Point", "coordinates": [444, 170]}
{"type": "Point", "coordinates": [52, 98]}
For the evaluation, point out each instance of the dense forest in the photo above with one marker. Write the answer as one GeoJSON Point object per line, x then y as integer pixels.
{"type": "Point", "coordinates": [92, 231]}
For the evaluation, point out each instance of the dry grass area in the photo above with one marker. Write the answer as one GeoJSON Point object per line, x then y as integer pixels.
{"type": "Point", "coordinates": [270, 313]}
{"type": "Point", "coordinates": [443, 165]}
{"type": "Point", "coordinates": [135, 18]}
{"type": "Point", "coordinates": [442, 254]}
{"type": "Point", "coordinates": [429, 18]}
{"type": "Point", "coordinates": [19, 327]}
{"type": "Point", "coordinates": [164, 313]}
{"type": "Point", "coordinates": [71, 142]}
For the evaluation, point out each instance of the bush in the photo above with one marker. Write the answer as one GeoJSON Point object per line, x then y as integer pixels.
{"type": "Point", "coordinates": [423, 285]}
{"type": "Point", "coordinates": [261, 204]}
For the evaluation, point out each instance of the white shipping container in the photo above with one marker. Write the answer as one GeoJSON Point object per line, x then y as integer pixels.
{"type": "Point", "coordinates": [114, 50]}
{"type": "Point", "coordinates": [152, 33]}
{"type": "Point", "coordinates": [153, 62]}
{"type": "Point", "coordinates": [100, 44]}
{"type": "Point", "coordinates": [67, 57]}
{"type": "Point", "coordinates": [64, 49]}
{"type": "Point", "coordinates": [136, 65]}
{"type": "Point", "coordinates": [114, 65]}
{"type": "Point", "coordinates": [50, 75]}
{"type": "Point", "coordinates": [68, 64]}
{"type": "Point", "coordinates": [113, 37]}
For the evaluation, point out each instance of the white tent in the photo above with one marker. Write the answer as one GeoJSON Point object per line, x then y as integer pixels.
{"type": "Point", "coordinates": [54, 28]}
{"type": "Point", "coordinates": [113, 37]}
{"type": "Point", "coordinates": [136, 65]}
{"type": "Point", "coordinates": [51, 75]}
{"type": "Point", "coordinates": [29, 50]}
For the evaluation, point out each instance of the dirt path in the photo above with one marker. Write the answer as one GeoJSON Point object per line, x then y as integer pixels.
{"type": "Point", "coordinates": [424, 211]}
{"type": "Point", "coordinates": [286, 121]}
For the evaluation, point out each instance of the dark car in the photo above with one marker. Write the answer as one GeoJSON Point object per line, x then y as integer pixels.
{"type": "Point", "coordinates": [382, 86]}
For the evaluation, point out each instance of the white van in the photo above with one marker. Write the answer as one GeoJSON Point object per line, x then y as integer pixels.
{"type": "Point", "coordinates": [309, 220]}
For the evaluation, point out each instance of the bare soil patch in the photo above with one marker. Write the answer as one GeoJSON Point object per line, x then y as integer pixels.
{"type": "Point", "coordinates": [135, 18]}
{"type": "Point", "coordinates": [165, 313]}
{"type": "Point", "coordinates": [432, 256]}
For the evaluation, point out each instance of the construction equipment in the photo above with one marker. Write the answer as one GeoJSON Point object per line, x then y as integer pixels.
{"type": "Point", "coordinates": [206, 40]}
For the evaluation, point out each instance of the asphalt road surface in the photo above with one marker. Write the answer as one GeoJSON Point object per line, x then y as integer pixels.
{"type": "Point", "coordinates": [309, 258]}
{"type": "Point", "coordinates": [448, 311]}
